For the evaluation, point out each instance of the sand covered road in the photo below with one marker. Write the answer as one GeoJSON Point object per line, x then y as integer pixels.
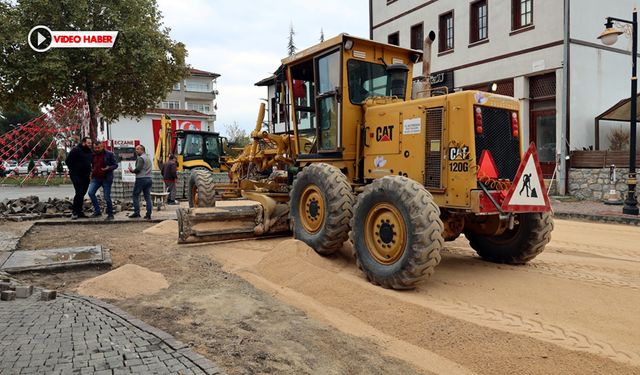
{"type": "Point", "coordinates": [275, 306]}
{"type": "Point", "coordinates": [572, 309]}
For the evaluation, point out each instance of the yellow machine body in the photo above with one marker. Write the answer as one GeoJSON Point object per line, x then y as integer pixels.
{"type": "Point", "coordinates": [387, 134]}
{"type": "Point", "coordinates": [192, 148]}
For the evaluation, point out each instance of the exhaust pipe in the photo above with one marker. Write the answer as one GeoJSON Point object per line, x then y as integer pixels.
{"type": "Point", "coordinates": [424, 87]}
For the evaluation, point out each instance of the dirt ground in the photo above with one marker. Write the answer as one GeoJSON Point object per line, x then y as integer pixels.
{"type": "Point", "coordinates": [275, 306]}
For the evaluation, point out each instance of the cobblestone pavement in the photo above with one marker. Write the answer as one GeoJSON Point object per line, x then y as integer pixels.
{"type": "Point", "coordinates": [78, 335]}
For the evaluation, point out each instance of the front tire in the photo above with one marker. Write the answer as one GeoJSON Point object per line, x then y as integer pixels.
{"type": "Point", "coordinates": [397, 233]}
{"type": "Point", "coordinates": [202, 192]}
{"type": "Point", "coordinates": [518, 245]}
{"type": "Point", "coordinates": [321, 202]}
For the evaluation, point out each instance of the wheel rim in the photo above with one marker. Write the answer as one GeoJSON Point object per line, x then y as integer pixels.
{"type": "Point", "coordinates": [385, 233]}
{"type": "Point", "coordinates": [194, 196]}
{"type": "Point", "coordinates": [311, 208]}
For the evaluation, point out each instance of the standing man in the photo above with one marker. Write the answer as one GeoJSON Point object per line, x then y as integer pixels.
{"type": "Point", "coordinates": [143, 182]}
{"type": "Point", "coordinates": [169, 176]}
{"type": "Point", "coordinates": [79, 163]}
{"type": "Point", "coordinates": [104, 163]}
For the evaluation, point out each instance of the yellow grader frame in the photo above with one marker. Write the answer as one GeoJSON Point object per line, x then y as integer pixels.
{"type": "Point", "coordinates": [363, 160]}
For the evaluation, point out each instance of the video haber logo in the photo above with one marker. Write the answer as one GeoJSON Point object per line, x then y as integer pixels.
{"type": "Point", "coordinates": [41, 39]}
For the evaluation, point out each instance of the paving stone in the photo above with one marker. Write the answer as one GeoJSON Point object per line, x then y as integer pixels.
{"type": "Point", "coordinates": [7, 295]}
{"type": "Point", "coordinates": [48, 295]}
{"type": "Point", "coordinates": [24, 291]}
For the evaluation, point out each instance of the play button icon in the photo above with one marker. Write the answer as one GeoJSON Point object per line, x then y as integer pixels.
{"type": "Point", "coordinates": [40, 38]}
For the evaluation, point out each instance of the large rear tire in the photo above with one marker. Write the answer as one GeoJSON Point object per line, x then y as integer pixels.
{"type": "Point", "coordinates": [202, 192]}
{"type": "Point", "coordinates": [396, 233]}
{"type": "Point", "coordinates": [321, 202]}
{"type": "Point", "coordinates": [518, 245]}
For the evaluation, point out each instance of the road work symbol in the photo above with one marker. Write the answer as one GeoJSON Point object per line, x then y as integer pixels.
{"type": "Point", "coordinates": [526, 185]}
{"type": "Point", "coordinates": [527, 193]}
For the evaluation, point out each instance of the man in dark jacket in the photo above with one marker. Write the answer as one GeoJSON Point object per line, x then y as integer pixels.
{"type": "Point", "coordinates": [104, 163]}
{"type": "Point", "coordinates": [169, 176]}
{"type": "Point", "coordinates": [79, 163]}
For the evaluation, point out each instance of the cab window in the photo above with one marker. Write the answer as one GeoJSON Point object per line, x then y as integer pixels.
{"type": "Point", "coordinates": [328, 71]}
{"type": "Point", "coordinates": [303, 92]}
{"type": "Point", "coordinates": [365, 80]}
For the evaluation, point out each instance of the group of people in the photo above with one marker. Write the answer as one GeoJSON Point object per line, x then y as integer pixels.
{"type": "Point", "coordinates": [91, 168]}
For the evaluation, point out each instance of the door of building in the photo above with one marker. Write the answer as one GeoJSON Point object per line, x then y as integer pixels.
{"type": "Point", "coordinates": [542, 131]}
{"type": "Point", "coordinates": [542, 116]}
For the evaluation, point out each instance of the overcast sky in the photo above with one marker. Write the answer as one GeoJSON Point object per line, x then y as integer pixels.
{"type": "Point", "coordinates": [244, 41]}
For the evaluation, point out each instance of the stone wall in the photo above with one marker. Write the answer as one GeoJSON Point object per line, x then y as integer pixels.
{"type": "Point", "coordinates": [594, 184]}
{"type": "Point", "coordinates": [124, 190]}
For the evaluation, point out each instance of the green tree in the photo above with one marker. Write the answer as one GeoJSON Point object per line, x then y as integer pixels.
{"type": "Point", "coordinates": [127, 79]}
{"type": "Point", "coordinates": [291, 46]}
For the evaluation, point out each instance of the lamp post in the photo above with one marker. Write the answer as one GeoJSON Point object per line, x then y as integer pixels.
{"type": "Point", "coordinates": [609, 37]}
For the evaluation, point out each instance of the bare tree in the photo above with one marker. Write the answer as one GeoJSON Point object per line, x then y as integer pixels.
{"type": "Point", "coordinates": [236, 135]}
{"type": "Point", "coordinates": [619, 139]}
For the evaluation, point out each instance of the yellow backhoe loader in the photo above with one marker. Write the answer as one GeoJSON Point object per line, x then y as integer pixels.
{"type": "Point", "coordinates": [361, 159]}
{"type": "Point", "coordinates": [194, 149]}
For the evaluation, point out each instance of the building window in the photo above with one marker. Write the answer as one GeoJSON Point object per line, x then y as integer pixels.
{"type": "Point", "coordinates": [198, 86]}
{"type": "Point", "coordinates": [204, 108]}
{"type": "Point", "coordinates": [446, 32]}
{"type": "Point", "coordinates": [394, 38]}
{"type": "Point", "coordinates": [522, 11]}
{"type": "Point", "coordinates": [170, 105]}
{"type": "Point", "coordinates": [176, 86]}
{"type": "Point", "coordinates": [417, 36]}
{"type": "Point", "coordinates": [479, 26]}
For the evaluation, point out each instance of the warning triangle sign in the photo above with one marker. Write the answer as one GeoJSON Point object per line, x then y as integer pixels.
{"type": "Point", "coordinates": [527, 194]}
{"type": "Point", "coordinates": [487, 166]}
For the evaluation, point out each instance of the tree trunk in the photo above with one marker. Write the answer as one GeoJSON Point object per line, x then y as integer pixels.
{"type": "Point", "coordinates": [93, 120]}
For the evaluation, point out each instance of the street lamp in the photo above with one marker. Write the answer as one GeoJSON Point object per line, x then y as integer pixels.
{"type": "Point", "coordinates": [608, 37]}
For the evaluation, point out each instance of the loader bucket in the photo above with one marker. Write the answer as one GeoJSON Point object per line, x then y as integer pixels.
{"type": "Point", "coordinates": [223, 223]}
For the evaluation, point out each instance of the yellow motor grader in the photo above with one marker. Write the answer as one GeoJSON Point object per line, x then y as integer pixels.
{"type": "Point", "coordinates": [361, 159]}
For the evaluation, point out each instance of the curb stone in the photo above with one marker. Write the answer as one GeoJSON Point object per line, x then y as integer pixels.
{"type": "Point", "coordinates": [597, 218]}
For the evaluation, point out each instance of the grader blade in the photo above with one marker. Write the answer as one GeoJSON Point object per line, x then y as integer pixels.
{"type": "Point", "coordinates": [214, 224]}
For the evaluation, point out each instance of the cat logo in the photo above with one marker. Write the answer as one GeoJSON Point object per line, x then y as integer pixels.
{"type": "Point", "coordinates": [384, 133]}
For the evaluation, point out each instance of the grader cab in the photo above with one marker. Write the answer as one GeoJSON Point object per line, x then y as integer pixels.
{"type": "Point", "coordinates": [361, 159]}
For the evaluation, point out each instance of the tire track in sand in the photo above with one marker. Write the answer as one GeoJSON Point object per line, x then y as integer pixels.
{"type": "Point", "coordinates": [500, 319]}
{"type": "Point", "coordinates": [577, 272]}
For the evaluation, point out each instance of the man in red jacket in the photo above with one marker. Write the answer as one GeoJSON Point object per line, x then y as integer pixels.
{"type": "Point", "coordinates": [104, 163]}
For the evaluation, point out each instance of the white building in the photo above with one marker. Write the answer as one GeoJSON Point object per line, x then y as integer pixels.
{"type": "Point", "coordinates": [543, 52]}
{"type": "Point", "coordinates": [196, 93]}
{"type": "Point", "coordinates": [276, 115]}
